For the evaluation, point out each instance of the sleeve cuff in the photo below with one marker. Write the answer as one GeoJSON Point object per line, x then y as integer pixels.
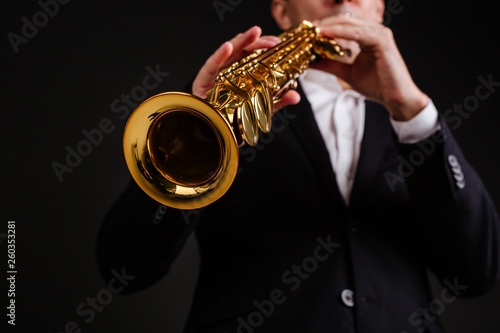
{"type": "Point", "coordinates": [419, 127]}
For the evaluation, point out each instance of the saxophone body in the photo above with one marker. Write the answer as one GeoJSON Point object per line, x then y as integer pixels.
{"type": "Point", "coordinates": [183, 151]}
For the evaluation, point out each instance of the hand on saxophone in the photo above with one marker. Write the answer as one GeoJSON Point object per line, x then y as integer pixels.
{"type": "Point", "coordinates": [231, 51]}
{"type": "Point", "coordinates": [378, 71]}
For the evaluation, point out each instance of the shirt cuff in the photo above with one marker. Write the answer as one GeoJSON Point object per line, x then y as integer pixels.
{"type": "Point", "coordinates": [418, 128]}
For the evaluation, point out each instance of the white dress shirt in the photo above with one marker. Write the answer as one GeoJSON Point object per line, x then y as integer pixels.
{"type": "Point", "coordinates": [340, 115]}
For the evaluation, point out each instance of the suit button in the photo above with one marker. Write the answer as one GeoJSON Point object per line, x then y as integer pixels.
{"type": "Point", "coordinates": [457, 171]}
{"type": "Point", "coordinates": [347, 297]}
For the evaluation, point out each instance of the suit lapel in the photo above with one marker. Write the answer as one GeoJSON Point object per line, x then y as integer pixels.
{"type": "Point", "coordinates": [309, 136]}
{"type": "Point", "coordinates": [376, 137]}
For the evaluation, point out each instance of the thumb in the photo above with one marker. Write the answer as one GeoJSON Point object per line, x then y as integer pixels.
{"type": "Point", "coordinates": [205, 78]}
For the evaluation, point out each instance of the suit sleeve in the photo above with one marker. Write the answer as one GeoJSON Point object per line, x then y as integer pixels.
{"type": "Point", "coordinates": [459, 221]}
{"type": "Point", "coordinates": [142, 238]}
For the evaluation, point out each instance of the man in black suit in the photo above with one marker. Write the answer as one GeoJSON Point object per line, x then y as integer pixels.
{"type": "Point", "coordinates": [336, 216]}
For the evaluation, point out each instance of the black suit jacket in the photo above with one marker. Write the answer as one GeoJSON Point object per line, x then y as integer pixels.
{"type": "Point", "coordinates": [281, 252]}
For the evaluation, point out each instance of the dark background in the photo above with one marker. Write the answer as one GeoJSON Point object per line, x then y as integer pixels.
{"type": "Point", "coordinates": [64, 80]}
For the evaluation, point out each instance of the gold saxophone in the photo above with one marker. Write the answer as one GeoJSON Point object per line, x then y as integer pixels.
{"type": "Point", "coordinates": [182, 150]}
